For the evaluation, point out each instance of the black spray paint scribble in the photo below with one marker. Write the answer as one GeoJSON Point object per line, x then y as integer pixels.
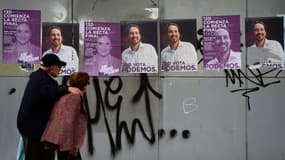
{"type": "Point", "coordinates": [200, 44]}
{"type": "Point", "coordinates": [236, 75]}
{"type": "Point", "coordinates": [103, 103]}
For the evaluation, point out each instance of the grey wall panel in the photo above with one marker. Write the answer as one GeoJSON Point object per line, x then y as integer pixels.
{"type": "Point", "coordinates": [215, 118]}
{"type": "Point", "coordinates": [266, 127]}
{"type": "Point", "coordinates": [194, 9]}
{"type": "Point", "coordinates": [113, 10]}
{"type": "Point", "coordinates": [9, 106]}
{"type": "Point", "coordinates": [264, 8]}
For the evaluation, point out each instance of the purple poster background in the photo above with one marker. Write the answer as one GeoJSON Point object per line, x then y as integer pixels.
{"type": "Point", "coordinates": [21, 36]}
{"type": "Point", "coordinates": [102, 48]}
{"type": "Point", "coordinates": [210, 25]}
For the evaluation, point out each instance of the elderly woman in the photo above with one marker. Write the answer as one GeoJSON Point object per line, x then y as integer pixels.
{"type": "Point", "coordinates": [67, 124]}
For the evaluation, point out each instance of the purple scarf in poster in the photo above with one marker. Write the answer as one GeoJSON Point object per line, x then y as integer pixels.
{"type": "Point", "coordinates": [102, 49]}
{"type": "Point", "coordinates": [21, 37]}
{"type": "Point", "coordinates": [221, 42]}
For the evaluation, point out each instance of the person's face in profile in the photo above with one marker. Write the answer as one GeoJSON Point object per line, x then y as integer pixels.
{"type": "Point", "coordinates": [23, 33]}
{"type": "Point", "coordinates": [55, 37]}
{"type": "Point", "coordinates": [54, 70]}
{"type": "Point", "coordinates": [134, 35]}
{"type": "Point", "coordinates": [222, 42]}
{"type": "Point", "coordinates": [259, 32]}
{"type": "Point", "coordinates": [103, 46]}
{"type": "Point", "coordinates": [173, 34]}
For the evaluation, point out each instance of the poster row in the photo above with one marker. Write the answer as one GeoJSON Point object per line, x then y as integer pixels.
{"type": "Point", "coordinates": [131, 46]}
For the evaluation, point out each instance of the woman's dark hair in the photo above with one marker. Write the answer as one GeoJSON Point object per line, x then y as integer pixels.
{"type": "Point", "coordinates": [79, 80]}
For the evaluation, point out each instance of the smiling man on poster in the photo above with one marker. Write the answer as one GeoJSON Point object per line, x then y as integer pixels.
{"type": "Point", "coordinates": [139, 57]}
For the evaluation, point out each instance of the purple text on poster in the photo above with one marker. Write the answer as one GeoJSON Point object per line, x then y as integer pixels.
{"type": "Point", "coordinates": [102, 48]}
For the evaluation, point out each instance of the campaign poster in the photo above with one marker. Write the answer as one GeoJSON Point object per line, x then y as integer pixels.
{"type": "Point", "coordinates": [178, 45]}
{"type": "Point", "coordinates": [102, 48]}
{"type": "Point", "coordinates": [264, 42]}
{"type": "Point", "coordinates": [221, 42]}
{"type": "Point", "coordinates": [283, 68]}
{"type": "Point", "coordinates": [139, 46]}
{"type": "Point", "coordinates": [21, 37]}
{"type": "Point", "coordinates": [68, 42]}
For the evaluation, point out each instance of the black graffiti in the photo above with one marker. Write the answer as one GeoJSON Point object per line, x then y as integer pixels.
{"type": "Point", "coordinates": [186, 134]}
{"type": "Point", "coordinates": [102, 104]}
{"type": "Point", "coordinates": [200, 44]}
{"type": "Point", "coordinates": [173, 133]}
{"type": "Point", "coordinates": [236, 76]}
{"type": "Point", "coordinates": [11, 91]}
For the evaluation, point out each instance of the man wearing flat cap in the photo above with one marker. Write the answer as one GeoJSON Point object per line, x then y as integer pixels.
{"type": "Point", "coordinates": [41, 93]}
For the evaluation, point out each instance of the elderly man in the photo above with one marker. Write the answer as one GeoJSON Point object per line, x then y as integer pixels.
{"type": "Point", "coordinates": [41, 93]}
